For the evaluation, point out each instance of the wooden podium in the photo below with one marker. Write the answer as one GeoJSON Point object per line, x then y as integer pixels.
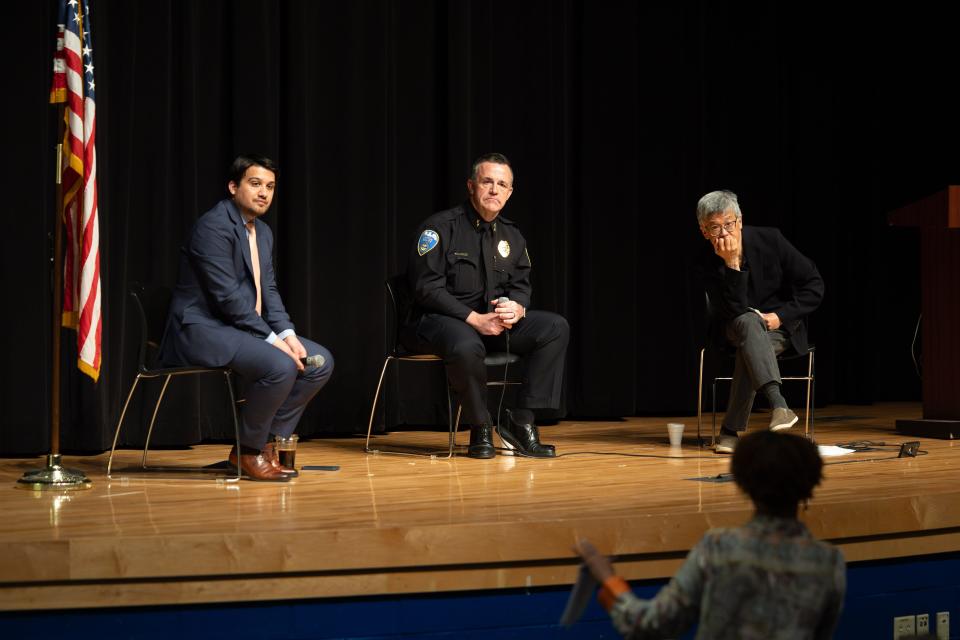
{"type": "Point", "coordinates": [938, 217]}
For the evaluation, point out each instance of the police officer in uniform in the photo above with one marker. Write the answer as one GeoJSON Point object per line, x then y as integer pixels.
{"type": "Point", "coordinates": [464, 261]}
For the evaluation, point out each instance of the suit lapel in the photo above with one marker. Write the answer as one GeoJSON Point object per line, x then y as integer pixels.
{"type": "Point", "coordinates": [242, 238]}
{"type": "Point", "coordinates": [258, 225]}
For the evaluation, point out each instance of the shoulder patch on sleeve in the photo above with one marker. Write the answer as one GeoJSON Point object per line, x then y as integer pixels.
{"type": "Point", "coordinates": [428, 240]}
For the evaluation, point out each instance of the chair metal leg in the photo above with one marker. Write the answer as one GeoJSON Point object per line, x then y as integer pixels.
{"type": "Point", "coordinates": [452, 427]}
{"type": "Point", "coordinates": [808, 425]}
{"type": "Point", "coordinates": [453, 424]}
{"type": "Point", "coordinates": [236, 423]}
{"type": "Point", "coordinates": [156, 409]}
{"type": "Point", "coordinates": [700, 400]}
{"type": "Point", "coordinates": [713, 423]}
{"type": "Point", "coordinates": [376, 397]}
{"type": "Point", "coordinates": [116, 433]}
{"type": "Point", "coordinates": [813, 410]}
{"type": "Point", "coordinates": [456, 423]}
{"type": "Point", "coordinates": [810, 409]}
{"type": "Point", "coordinates": [153, 418]}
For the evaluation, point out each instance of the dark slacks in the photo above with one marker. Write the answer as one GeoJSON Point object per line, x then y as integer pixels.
{"type": "Point", "coordinates": [541, 338]}
{"type": "Point", "coordinates": [756, 364]}
{"type": "Point", "coordinates": [275, 393]}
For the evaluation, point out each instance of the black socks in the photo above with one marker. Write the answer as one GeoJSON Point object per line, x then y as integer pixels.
{"type": "Point", "coordinates": [772, 391]}
{"type": "Point", "coordinates": [522, 416]}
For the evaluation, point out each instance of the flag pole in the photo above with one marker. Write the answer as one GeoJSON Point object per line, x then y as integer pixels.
{"type": "Point", "coordinates": [54, 475]}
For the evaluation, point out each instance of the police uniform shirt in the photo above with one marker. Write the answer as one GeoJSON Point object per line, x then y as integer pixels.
{"type": "Point", "coordinates": [460, 263]}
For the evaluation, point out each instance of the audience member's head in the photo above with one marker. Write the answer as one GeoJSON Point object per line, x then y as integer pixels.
{"type": "Point", "coordinates": [777, 470]}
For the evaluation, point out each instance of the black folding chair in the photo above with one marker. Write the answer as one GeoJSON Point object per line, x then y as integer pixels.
{"type": "Point", "coordinates": [152, 303]}
{"type": "Point", "coordinates": [401, 307]}
{"type": "Point", "coordinates": [722, 355]}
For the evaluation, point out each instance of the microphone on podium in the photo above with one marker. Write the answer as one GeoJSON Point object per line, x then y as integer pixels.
{"type": "Point", "coordinates": [313, 361]}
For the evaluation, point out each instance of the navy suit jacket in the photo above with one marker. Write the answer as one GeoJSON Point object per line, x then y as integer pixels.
{"type": "Point", "coordinates": [775, 278]}
{"type": "Point", "coordinates": [214, 303]}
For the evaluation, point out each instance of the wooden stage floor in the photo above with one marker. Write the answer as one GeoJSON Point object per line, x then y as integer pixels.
{"type": "Point", "coordinates": [395, 524]}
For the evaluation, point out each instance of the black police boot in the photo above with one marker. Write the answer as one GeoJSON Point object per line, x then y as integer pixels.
{"type": "Point", "coordinates": [520, 435]}
{"type": "Point", "coordinates": [481, 442]}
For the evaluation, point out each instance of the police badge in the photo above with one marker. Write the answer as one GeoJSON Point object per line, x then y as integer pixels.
{"type": "Point", "coordinates": [504, 248]}
{"type": "Point", "coordinates": [428, 240]}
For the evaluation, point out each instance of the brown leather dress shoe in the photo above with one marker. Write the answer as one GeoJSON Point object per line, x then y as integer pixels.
{"type": "Point", "coordinates": [270, 454]}
{"type": "Point", "coordinates": [256, 467]}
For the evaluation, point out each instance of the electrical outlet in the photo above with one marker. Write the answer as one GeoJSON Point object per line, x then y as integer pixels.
{"type": "Point", "coordinates": [904, 627]}
{"type": "Point", "coordinates": [943, 625]}
{"type": "Point", "coordinates": [923, 624]}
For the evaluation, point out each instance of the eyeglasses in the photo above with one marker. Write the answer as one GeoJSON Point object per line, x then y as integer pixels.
{"type": "Point", "coordinates": [487, 183]}
{"type": "Point", "coordinates": [714, 229]}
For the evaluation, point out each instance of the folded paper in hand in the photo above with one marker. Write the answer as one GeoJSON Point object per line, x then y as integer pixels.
{"type": "Point", "coordinates": [580, 596]}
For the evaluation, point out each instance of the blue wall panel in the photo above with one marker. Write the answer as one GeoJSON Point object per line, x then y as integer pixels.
{"type": "Point", "coordinates": [876, 592]}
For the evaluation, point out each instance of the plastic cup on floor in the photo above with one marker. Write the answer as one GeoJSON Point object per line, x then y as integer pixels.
{"type": "Point", "coordinates": [675, 432]}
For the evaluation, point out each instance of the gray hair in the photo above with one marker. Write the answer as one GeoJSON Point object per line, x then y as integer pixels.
{"type": "Point", "coordinates": [495, 158]}
{"type": "Point", "coordinates": [717, 202]}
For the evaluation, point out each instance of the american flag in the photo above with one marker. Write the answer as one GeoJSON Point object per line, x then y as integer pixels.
{"type": "Point", "coordinates": [73, 85]}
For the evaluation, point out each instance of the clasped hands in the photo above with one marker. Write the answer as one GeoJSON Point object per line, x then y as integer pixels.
{"type": "Point", "coordinates": [503, 316]}
{"type": "Point", "coordinates": [293, 348]}
{"type": "Point", "coordinates": [772, 320]}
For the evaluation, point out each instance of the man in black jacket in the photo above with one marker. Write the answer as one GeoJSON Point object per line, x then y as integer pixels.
{"type": "Point", "coordinates": [761, 289]}
{"type": "Point", "coordinates": [464, 262]}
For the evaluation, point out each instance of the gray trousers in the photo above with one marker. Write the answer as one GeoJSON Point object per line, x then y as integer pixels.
{"type": "Point", "coordinates": [755, 366]}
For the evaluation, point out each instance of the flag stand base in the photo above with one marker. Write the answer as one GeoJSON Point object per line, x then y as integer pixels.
{"type": "Point", "coordinates": [54, 476]}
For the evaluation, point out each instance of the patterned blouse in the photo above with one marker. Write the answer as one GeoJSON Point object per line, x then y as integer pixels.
{"type": "Point", "coordinates": [767, 579]}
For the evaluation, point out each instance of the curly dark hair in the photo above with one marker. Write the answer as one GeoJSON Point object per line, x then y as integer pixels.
{"type": "Point", "coordinates": [777, 470]}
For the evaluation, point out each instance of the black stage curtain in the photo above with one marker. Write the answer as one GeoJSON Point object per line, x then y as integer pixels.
{"type": "Point", "coordinates": [617, 115]}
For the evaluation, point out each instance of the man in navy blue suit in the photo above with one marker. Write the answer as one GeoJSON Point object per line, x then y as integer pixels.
{"type": "Point", "coordinates": [226, 311]}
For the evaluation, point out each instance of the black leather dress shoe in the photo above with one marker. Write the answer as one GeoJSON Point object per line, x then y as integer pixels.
{"type": "Point", "coordinates": [520, 435]}
{"type": "Point", "coordinates": [481, 442]}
